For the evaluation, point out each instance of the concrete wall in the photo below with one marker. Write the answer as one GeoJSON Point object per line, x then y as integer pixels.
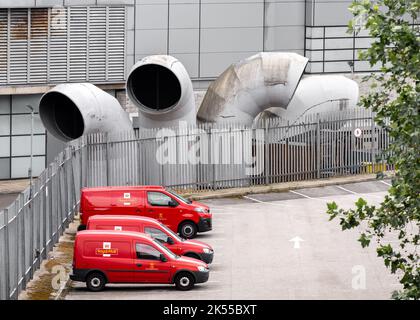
{"type": "Point", "coordinates": [209, 35]}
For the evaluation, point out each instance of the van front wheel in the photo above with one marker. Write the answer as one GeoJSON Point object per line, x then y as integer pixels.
{"type": "Point", "coordinates": [95, 281]}
{"type": "Point", "coordinates": [188, 230]}
{"type": "Point", "coordinates": [184, 281]}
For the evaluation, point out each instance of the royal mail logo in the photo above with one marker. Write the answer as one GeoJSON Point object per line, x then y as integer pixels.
{"type": "Point", "coordinates": [151, 266]}
{"type": "Point", "coordinates": [106, 250]}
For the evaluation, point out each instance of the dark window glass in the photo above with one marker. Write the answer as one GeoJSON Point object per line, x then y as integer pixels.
{"type": "Point", "coordinates": [146, 252]}
{"type": "Point", "coordinates": [156, 234]}
{"type": "Point", "coordinates": [158, 199]}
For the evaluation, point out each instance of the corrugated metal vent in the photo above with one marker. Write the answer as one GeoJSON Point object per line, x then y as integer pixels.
{"type": "Point", "coordinates": [53, 45]}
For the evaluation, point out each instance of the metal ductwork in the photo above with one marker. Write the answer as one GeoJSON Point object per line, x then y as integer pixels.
{"type": "Point", "coordinates": [69, 111]}
{"type": "Point", "coordinates": [318, 94]}
{"type": "Point", "coordinates": [246, 88]}
{"type": "Point", "coordinates": [161, 88]}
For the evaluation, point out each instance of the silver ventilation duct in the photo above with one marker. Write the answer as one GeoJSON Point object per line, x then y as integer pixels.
{"type": "Point", "coordinates": [69, 111]}
{"type": "Point", "coordinates": [245, 89]}
{"type": "Point", "coordinates": [161, 88]}
{"type": "Point", "coordinates": [319, 94]}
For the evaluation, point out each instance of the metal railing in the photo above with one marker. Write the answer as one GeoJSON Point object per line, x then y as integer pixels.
{"type": "Point", "coordinates": [34, 222]}
{"type": "Point", "coordinates": [331, 49]}
{"type": "Point", "coordinates": [189, 159]}
{"type": "Point", "coordinates": [206, 157]}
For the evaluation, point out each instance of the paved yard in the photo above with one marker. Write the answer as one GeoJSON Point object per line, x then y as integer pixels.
{"type": "Point", "coordinates": [255, 259]}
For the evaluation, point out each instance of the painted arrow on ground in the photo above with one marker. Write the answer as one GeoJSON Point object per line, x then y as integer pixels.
{"type": "Point", "coordinates": [296, 240]}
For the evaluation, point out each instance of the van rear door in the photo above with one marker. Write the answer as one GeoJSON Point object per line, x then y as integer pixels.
{"type": "Point", "coordinates": [114, 258]}
{"type": "Point", "coordinates": [97, 202]}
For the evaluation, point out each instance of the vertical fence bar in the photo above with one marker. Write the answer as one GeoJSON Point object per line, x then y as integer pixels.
{"type": "Point", "coordinates": [6, 252]}
{"type": "Point", "coordinates": [318, 148]}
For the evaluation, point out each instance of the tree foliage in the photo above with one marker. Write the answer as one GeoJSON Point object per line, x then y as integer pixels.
{"type": "Point", "coordinates": [394, 97]}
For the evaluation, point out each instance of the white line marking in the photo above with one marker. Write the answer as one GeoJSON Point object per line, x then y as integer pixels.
{"type": "Point", "coordinates": [301, 194]}
{"type": "Point", "coordinates": [267, 202]}
{"type": "Point", "coordinates": [388, 184]}
{"type": "Point", "coordinates": [369, 194]}
{"type": "Point", "coordinates": [347, 190]}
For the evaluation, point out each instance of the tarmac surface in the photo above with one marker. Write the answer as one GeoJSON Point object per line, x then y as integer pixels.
{"type": "Point", "coordinates": [279, 246]}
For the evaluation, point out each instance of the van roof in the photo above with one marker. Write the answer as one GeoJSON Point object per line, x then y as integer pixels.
{"type": "Point", "coordinates": [111, 234]}
{"type": "Point", "coordinates": [123, 188]}
{"type": "Point", "coordinates": [106, 217]}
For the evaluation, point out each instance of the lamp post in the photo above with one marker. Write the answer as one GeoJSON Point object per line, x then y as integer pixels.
{"type": "Point", "coordinates": [351, 65]}
{"type": "Point", "coordinates": [32, 138]}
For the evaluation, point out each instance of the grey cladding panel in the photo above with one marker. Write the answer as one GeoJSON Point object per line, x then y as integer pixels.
{"type": "Point", "coordinates": [232, 15]}
{"type": "Point", "coordinates": [285, 14]}
{"type": "Point", "coordinates": [231, 40]}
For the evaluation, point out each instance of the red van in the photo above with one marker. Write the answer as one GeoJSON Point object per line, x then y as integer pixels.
{"type": "Point", "coordinates": [189, 248]}
{"type": "Point", "coordinates": [179, 214]}
{"type": "Point", "coordinates": [103, 256]}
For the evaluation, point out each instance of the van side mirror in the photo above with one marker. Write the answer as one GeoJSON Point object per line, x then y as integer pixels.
{"type": "Point", "coordinates": [170, 240]}
{"type": "Point", "coordinates": [163, 258]}
{"type": "Point", "coordinates": [172, 203]}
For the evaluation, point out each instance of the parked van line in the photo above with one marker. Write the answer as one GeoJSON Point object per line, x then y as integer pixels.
{"type": "Point", "coordinates": [179, 214]}
{"type": "Point", "coordinates": [152, 227]}
{"type": "Point", "coordinates": [105, 256]}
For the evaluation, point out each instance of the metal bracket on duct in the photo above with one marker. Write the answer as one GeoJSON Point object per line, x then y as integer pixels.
{"type": "Point", "coordinates": [69, 111]}
{"type": "Point", "coordinates": [245, 89]}
{"type": "Point", "coordinates": [161, 88]}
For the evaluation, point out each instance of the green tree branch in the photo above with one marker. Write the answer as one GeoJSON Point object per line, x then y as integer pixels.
{"type": "Point", "coordinates": [394, 25]}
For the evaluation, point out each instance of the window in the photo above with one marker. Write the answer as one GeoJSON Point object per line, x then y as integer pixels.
{"type": "Point", "coordinates": [156, 234]}
{"type": "Point", "coordinates": [15, 137]}
{"type": "Point", "coordinates": [179, 197]}
{"type": "Point", "coordinates": [158, 199]}
{"type": "Point", "coordinates": [146, 252]}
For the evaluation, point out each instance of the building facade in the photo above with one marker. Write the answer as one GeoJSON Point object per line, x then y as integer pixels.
{"type": "Point", "coordinates": [46, 42]}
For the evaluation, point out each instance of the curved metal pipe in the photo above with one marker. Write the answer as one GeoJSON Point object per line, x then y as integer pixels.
{"type": "Point", "coordinates": [161, 88]}
{"type": "Point", "coordinates": [318, 94]}
{"type": "Point", "coordinates": [246, 88]}
{"type": "Point", "coordinates": [69, 111]}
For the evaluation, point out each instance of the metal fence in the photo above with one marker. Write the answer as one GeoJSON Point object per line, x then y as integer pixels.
{"type": "Point", "coordinates": [33, 223]}
{"type": "Point", "coordinates": [207, 157]}
{"type": "Point", "coordinates": [189, 159]}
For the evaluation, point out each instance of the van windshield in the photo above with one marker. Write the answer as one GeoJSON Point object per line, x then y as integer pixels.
{"type": "Point", "coordinates": [166, 250]}
{"type": "Point", "coordinates": [169, 231]}
{"type": "Point", "coordinates": [187, 201]}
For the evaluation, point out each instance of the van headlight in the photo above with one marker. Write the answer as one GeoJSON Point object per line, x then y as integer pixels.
{"type": "Point", "coordinates": [207, 250]}
{"type": "Point", "coordinates": [200, 210]}
{"type": "Point", "coordinates": [202, 269]}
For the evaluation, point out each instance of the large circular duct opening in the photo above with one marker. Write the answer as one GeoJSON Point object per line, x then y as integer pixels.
{"type": "Point", "coordinates": [154, 87]}
{"type": "Point", "coordinates": [61, 116]}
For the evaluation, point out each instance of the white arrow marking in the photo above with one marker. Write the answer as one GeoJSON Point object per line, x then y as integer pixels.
{"type": "Point", "coordinates": [296, 240]}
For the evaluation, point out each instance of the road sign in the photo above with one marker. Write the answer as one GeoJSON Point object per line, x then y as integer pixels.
{"type": "Point", "coordinates": [358, 132]}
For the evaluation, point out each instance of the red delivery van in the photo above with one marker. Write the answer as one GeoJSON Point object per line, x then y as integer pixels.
{"type": "Point", "coordinates": [179, 214]}
{"type": "Point", "coordinates": [105, 256]}
{"type": "Point", "coordinates": [189, 248]}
